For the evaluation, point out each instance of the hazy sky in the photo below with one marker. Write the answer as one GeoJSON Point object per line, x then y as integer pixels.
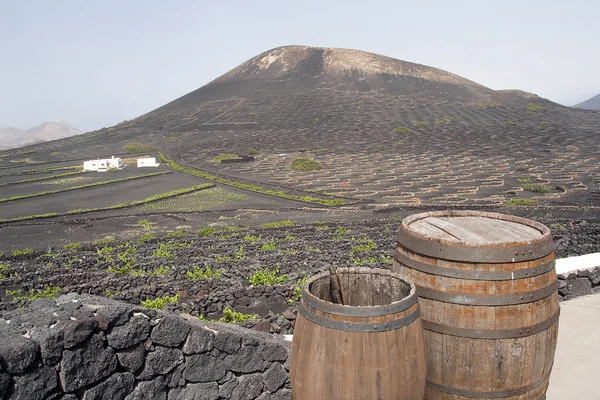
{"type": "Point", "coordinates": [95, 63]}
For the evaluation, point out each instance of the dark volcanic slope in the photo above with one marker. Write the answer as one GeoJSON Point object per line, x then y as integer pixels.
{"type": "Point", "coordinates": [590, 104]}
{"type": "Point", "coordinates": [467, 143]}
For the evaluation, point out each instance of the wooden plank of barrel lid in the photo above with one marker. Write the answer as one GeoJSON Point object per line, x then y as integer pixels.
{"type": "Point", "coordinates": [488, 295]}
{"type": "Point", "coordinates": [371, 348]}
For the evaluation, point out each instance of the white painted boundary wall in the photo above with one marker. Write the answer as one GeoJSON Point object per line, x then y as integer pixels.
{"type": "Point", "coordinates": [572, 264]}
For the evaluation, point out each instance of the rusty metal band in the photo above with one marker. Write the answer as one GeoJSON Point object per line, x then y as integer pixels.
{"type": "Point", "coordinates": [371, 311]}
{"type": "Point", "coordinates": [358, 326]}
{"type": "Point", "coordinates": [473, 275]}
{"type": "Point", "coordinates": [461, 252]}
{"type": "Point", "coordinates": [487, 300]}
{"type": "Point", "coordinates": [491, 334]}
{"type": "Point", "coordinates": [488, 395]}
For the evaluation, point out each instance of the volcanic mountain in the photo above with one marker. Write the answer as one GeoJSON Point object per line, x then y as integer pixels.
{"type": "Point", "coordinates": [590, 104]}
{"type": "Point", "coordinates": [372, 121]}
{"type": "Point", "coordinates": [15, 137]}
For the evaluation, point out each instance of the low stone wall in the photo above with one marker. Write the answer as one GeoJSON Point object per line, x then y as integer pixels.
{"type": "Point", "coordinates": [88, 347]}
{"type": "Point", "coordinates": [579, 283]}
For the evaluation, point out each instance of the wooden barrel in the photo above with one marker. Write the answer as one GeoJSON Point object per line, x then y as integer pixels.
{"type": "Point", "coordinates": [488, 295]}
{"type": "Point", "coordinates": [369, 348]}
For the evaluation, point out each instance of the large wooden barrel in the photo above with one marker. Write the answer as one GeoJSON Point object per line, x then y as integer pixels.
{"type": "Point", "coordinates": [488, 295]}
{"type": "Point", "coordinates": [369, 348]}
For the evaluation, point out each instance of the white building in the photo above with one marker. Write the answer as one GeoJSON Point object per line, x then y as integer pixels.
{"type": "Point", "coordinates": [102, 164]}
{"type": "Point", "coordinates": [147, 162]}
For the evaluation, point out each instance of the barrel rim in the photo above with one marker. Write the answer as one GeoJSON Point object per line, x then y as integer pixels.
{"type": "Point", "coordinates": [360, 311]}
{"type": "Point", "coordinates": [465, 251]}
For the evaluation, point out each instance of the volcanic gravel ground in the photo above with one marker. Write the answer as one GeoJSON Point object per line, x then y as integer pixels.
{"type": "Point", "coordinates": [161, 265]}
{"type": "Point", "coordinates": [101, 196]}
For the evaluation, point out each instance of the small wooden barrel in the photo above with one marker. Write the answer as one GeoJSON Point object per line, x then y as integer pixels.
{"type": "Point", "coordinates": [370, 348]}
{"type": "Point", "coordinates": [488, 294]}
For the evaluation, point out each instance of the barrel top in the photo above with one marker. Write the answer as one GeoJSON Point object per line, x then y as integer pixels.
{"type": "Point", "coordinates": [513, 238]}
{"type": "Point", "coordinates": [475, 230]}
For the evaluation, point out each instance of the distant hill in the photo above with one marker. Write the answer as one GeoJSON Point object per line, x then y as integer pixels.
{"type": "Point", "coordinates": [590, 104]}
{"type": "Point", "coordinates": [15, 137]}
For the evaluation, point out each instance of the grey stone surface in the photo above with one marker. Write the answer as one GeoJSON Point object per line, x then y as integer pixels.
{"type": "Point", "coordinates": [113, 315]}
{"type": "Point", "coordinates": [579, 287]}
{"type": "Point", "coordinates": [276, 349]}
{"type": "Point", "coordinates": [4, 384]}
{"type": "Point", "coordinates": [35, 385]}
{"type": "Point", "coordinates": [200, 391]}
{"type": "Point", "coordinates": [171, 331]}
{"type": "Point", "coordinates": [132, 359]}
{"type": "Point", "coordinates": [283, 394]}
{"type": "Point", "coordinates": [76, 332]}
{"type": "Point", "coordinates": [595, 276]}
{"type": "Point", "coordinates": [149, 390]}
{"type": "Point", "coordinates": [203, 368]}
{"type": "Point", "coordinates": [274, 377]}
{"type": "Point", "coordinates": [226, 389]}
{"type": "Point", "coordinates": [199, 340]}
{"type": "Point", "coordinates": [51, 342]}
{"type": "Point", "coordinates": [161, 361]}
{"type": "Point", "coordinates": [42, 304]}
{"type": "Point", "coordinates": [132, 332]}
{"type": "Point", "coordinates": [86, 365]}
{"type": "Point", "coordinates": [247, 359]}
{"type": "Point", "coordinates": [249, 387]}
{"type": "Point", "coordinates": [17, 353]}
{"type": "Point", "coordinates": [229, 342]}
{"type": "Point", "coordinates": [116, 387]}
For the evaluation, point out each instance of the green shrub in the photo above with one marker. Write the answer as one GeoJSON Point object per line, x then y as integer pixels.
{"type": "Point", "coordinates": [219, 258]}
{"type": "Point", "coordinates": [533, 107]}
{"type": "Point", "coordinates": [486, 105]}
{"type": "Point", "coordinates": [545, 123]}
{"type": "Point", "coordinates": [536, 188]}
{"type": "Point", "coordinates": [224, 156]}
{"type": "Point", "coordinates": [119, 270]}
{"type": "Point", "coordinates": [163, 251]}
{"type": "Point", "coordinates": [206, 273]}
{"type": "Point", "coordinates": [23, 252]}
{"type": "Point", "coordinates": [440, 122]}
{"type": "Point", "coordinates": [341, 230]}
{"type": "Point", "coordinates": [136, 147]}
{"type": "Point", "coordinates": [160, 302]}
{"type": "Point", "coordinates": [297, 292]}
{"type": "Point", "coordinates": [521, 202]}
{"type": "Point", "coordinates": [269, 246]}
{"type": "Point", "coordinates": [252, 152]}
{"type": "Point", "coordinates": [49, 292]}
{"type": "Point", "coordinates": [402, 129]}
{"type": "Point", "coordinates": [113, 169]}
{"type": "Point", "coordinates": [145, 238]}
{"type": "Point", "coordinates": [510, 123]}
{"type": "Point", "coordinates": [278, 224]}
{"type": "Point", "coordinates": [289, 238]}
{"type": "Point", "coordinates": [72, 246]}
{"type": "Point", "coordinates": [267, 277]}
{"type": "Point", "coordinates": [171, 139]}
{"type": "Point", "coordinates": [251, 238]}
{"type": "Point", "coordinates": [557, 227]}
{"type": "Point", "coordinates": [312, 249]}
{"type": "Point", "coordinates": [144, 223]}
{"type": "Point", "coordinates": [305, 164]}
{"type": "Point", "coordinates": [177, 233]}
{"type": "Point", "coordinates": [208, 231]}
{"type": "Point", "coordinates": [419, 124]}
{"type": "Point", "coordinates": [523, 180]}
{"type": "Point", "coordinates": [230, 316]}
{"type": "Point", "coordinates": [106, 240]}
{"type": "Point", "coordinates": [363, 248]}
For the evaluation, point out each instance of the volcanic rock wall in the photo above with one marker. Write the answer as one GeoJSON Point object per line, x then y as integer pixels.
{"type": "Point", "coordinates": [87, 347]}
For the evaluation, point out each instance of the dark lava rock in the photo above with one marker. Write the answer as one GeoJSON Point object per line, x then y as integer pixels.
{"type": "Point", "coordinates": [170, 331]}
{"type": "Point", "coordinates": [129, 334]}
{"type": "Point", "coordinates": [114, 388]}
{"type": "Point", "coordinates": [199, 340]}
{"type": "Point", "coordinates": [51, 342]}
{"type": "Point", "coordinates": [229, 342]}
{"type": "Point", "coordinates": [579, 287]}
{"type": "Point", "coordinates": [113, 315]}
{"type": "Point", "coordinates": [249, 387]}
{"type": "Point", "coordinates": [203, 368]}
{"type": "Point", "coordinates": [4, 384]}
{"type": "Point", "coordinates": [226, 388]}
{"type": "Point", "coordinates": [276, 349]}
{"type": "Point", "coordinates": [247, 359]}
{"type": "Point", "coordinates": [132, 359]}
{"type": "Point", "coordinates": [274, 377]}
{"type": "Point", "coordinates": [17, 353]}
{"type": "Point", "coordinates": [76, 332]}
{"type": "Point", "coordinates": [199, 391]}
{"type": "Point", "coordinates": [149, 390]}
{"type": "Point", "coordinates": [35, 385]}
{"type": "Point", "coordinates": [86, 365]}
{"type": "Point", "coordinates": [161, 361]}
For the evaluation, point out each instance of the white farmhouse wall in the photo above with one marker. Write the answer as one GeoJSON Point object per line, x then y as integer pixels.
{"type": "Point", "coordinates": [147, 162]}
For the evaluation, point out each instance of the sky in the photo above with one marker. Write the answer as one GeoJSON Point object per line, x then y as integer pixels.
{"type": "Point", "coordinates": [96, 63]}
